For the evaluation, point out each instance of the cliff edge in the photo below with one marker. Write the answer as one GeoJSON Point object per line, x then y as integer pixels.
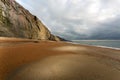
{"type": "Point", "coordinates": [16, 21]}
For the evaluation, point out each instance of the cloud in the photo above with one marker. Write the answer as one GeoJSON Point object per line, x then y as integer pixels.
{"type": "Point", "coordinates": [78, 19]}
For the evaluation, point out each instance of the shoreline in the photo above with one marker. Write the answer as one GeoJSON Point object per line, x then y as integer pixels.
{"type": "Point", "coordinates": [95, 40]}
{"type": "Point", "coordinates": [99, 46]}
{"type": "Point", "coordinates": [8, 39]}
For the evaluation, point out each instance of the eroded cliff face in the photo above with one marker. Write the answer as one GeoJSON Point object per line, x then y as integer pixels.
{"type": "Point", "coordinates": [15, 21]}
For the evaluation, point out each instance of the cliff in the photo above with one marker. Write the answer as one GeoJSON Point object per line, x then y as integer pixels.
{"type": "Point", "coordinates": [16, 21]}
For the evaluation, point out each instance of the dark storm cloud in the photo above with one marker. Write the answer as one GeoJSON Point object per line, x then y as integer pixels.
{"type": "Point", "coordinates": [109, 30]}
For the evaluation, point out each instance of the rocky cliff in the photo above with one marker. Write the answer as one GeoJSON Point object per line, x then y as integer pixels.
{"type": "Point", "coordinates": [15, 21]}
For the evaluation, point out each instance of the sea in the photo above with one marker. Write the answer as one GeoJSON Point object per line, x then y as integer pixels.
{"type": "Point", "coordinates": [114, 44]}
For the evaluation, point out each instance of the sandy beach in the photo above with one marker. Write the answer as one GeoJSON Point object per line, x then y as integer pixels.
{"type": "Point", "coordinates": [24, 59]}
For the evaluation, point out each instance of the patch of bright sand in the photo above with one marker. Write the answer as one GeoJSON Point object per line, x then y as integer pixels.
{"type": "Point", "coordinates": [70, 48]}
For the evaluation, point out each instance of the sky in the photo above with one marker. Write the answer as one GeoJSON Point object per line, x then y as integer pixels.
{"type": "Point", "coordinates": [78, 19]}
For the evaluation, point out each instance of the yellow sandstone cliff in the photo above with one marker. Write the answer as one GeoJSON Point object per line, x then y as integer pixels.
{"type": "Point", "coordinates": [15, 21]}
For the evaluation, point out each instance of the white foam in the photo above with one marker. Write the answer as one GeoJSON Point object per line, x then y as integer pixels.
{"type": "Point", "coordinates": [108, 47]}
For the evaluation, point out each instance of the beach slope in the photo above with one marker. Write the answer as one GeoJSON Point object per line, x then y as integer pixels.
{"type": "Point", "coordinates": [48, 60]}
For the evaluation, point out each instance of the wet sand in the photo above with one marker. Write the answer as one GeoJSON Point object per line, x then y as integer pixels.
{"type": "Point", "coordinates": [48, 60]}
